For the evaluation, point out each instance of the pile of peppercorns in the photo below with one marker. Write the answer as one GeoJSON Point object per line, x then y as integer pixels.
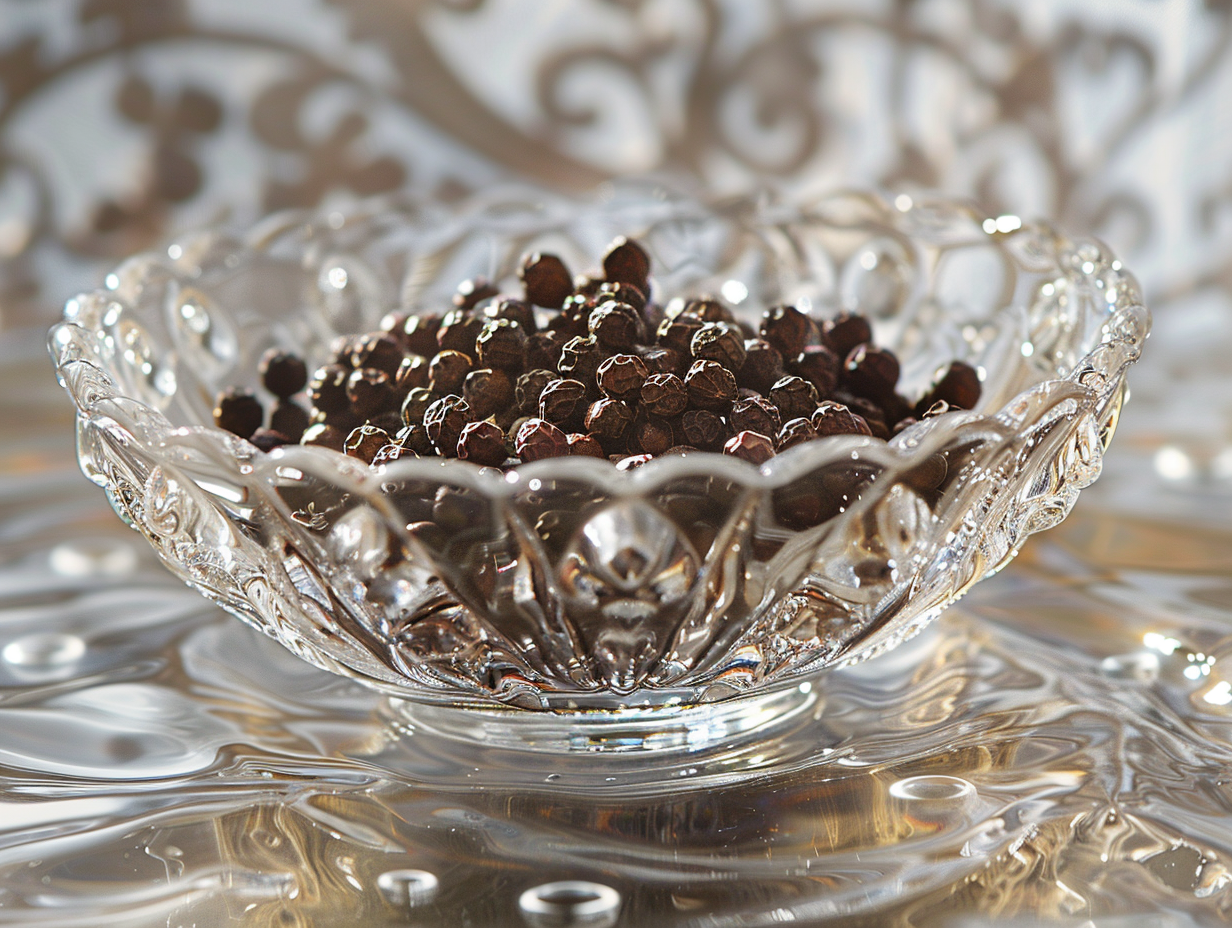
{"type": "Point", "coordinates": [588, 367]}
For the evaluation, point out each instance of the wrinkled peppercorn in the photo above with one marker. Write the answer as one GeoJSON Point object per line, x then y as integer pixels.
{"type": "Point", "coordinates": [664, 395]}
{"type": "Point", "coordinates": [794, 397]}
{"type": "Point", "coordinates": [487, 392]}
{"type": "Point", "coordinates": [543, 349]}
{"type": "Point", "coordinates": [448, 371]}
{"type": "Point", "coordinates": [538, 439]}
{"type": "Point", "coordinates": [412, 372]}
{"type": "Point", "coordinates": [615, 326]}
{"type": "Point", "coordinates": [471, 293]}
{"type": "Point", "coordinates": [755, 414]}
{"type": "Point", "coordinates": [787, 329]}
{"type": "Point", "coordinates": [501, 344]}
{"type": "Point", "coordinates": [608, 420]}
{"type": "Point", "coordinates": [585, 446]}
{"type": "Point", "coordinates": [580, 359]}
{"type": "Point", "coordinates": [763, 365]}
{"type": "Point", "coordinates": [703, 429]}
{"type": "Point", "coordinates": [364, 442]}
{"type": "Point", "coordinates": [444, 421]}
{"type": "Point", "coordinates": [563, 402]}
{"type": "Point", "coordinates": [324, 435]}
{"type": "Point", "coordinates": [750, 446]}
{"type": "Point", "coordinates": [518, 311]}
{"type": "Point", "coordinates": [707, 309]}
{"type": "Point", "coordinates": [418, 334]}
{"type": "Point", "coordinates": [794, 432]}
{"type": "Point", "coordinates": [677, 333]}
{"type": "Point", "coordinates": [328, 389]}
{"type": "Point", "coordinates": [416, 404]}
{"type": "Point", "coordinates": [458, 332]}
{"type": "Point", "coordinates": [282, 373]}
{"type": "Point", "coordinates": [959, 386]}
{"type": "Point", "coordinates": [482, 443]}
{"type": "Point", "coordinates": [711, 386]}
{"type": "Point", "coordinates": [846, 330]}
{"type": "Point", "coordinates": [529, 387]}
{"type": "Point", "coordinates": [819, 366]}
{"type": "Point", "coordinates": [627, 262]}
{"type": "Point", "coordinates": [831, 418]}
{"type": "Point", "coordinates": [621, 376]}
{"type": "Point", "coordinates": [369, 390]}
{"type": "Point", "coordinates": [660, 360]}
{"type": "Point", "coordinates": [871, 371]}
{"type": "Point", "coordinates": [378, 350]}
{"type": "Point", "coordinates": [238, 411]}
{"type": "Point", "coordinates": [622, 293]}
{"type": "Point", "coordinates": [721, 342]}
{"type": "Point", "coordinates": [650, 434]}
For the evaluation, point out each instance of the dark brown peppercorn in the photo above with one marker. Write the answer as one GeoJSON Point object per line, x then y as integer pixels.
{"type": "Point", "coordinates": [573, 317]}
{"type": "Point", "coordinates": [563, 402]}
{"type": "Point", "coordinates": [627, 262]}
{"type": "Point", "coordinates": [650, 435]}
{"type": "Point", "coordinates": [871, 371]}
{"type": "Point", "coordinates": [327, 389]}
{"type": "Point", "coordinates": [546, 280]}
{"type": "Point", "coordinates": [703, 429]}
{"type": "Point", "coordinates": [794, 432]}
{"type": "Point", "coordinates": [418, 334]}
{"type": "Point", "coordinates": [763, 365]}
{"type": "Point", "coordinates": [472, 292]}
{"type": "Point", "coordinates": [707, 309]}
{"type": "Point", "coordinates": [448, 371]}
{"type": "Point", "coordinates": [866, 409]}
{"type": "Point", "coordinates": [664, 395]}
{"type": "Point", "coordinates": [959, 386]}
{"type": "Point", "coordinates": [755, 414]}
{"type": "Point", "coordinates": [458, 332]}
{"type": "Point", "coordinates": [482, 443]}
{"type": "Point", "coordinates": [580, 359]}
{"type": "Point", "coordinates": [621, 293]}
{"type": "Point", "coordinates": [379, 350]}
{"type": "Point", "coordinates": [615, 326]}
{"type": "Point", "coordinates": [794, 397]}
{"type": "Point", "coordinates": [365, 441]}
{"type": "Point", "coordinates": [414, 438]}
{"type": "Point", "coordinates": [836, 419]}
{"type": "Point", "coordinates": [711, 386]}
{"type": "Point", "coordinates": [416, 404]}
{"type": "Point", "coordinates": [585, 446]}
{"type": "Point", "coordinates": [608, 420]}
{"type": "Point", "coordinates": [660, 360]}
{"type": "Point", "coordinates": [529, 387]}
{"type": "Point", "coordinates": [819, 366]}
{"type": "Point", "coordinates": [518, 311]}
{"type": "Point", "coordinates": [621, 376]}
{"type": "Point", "coordinates": [238, 411]}
{"type": "Point", "coordinates": [282, 373]}
{"type": "Point", "coordinates": [390, 420]}
{"type": "Point", "coordinates": [844, 332]}
{"type": "Point", "coordinates": [787, 329]}
{"type": "Point", "coordinates": [677, 333]}
{"type": "Point", "coordinates": [538, 439]}
{"type": "Point", "coordinates": [324, 435]}
{"type": "Point", "coordinates": [501, 344]}
{"type": "Point", "coordinates": [268, 439]}
{"type": "Point", "coordinates": [412, 373]}
{"type": "Point", "coordinates": [750, 446]}
{"type": "Point", "coordinates": [487, 392]}
{"type": "Point", "coordinates": [288, 418]}
{"type": "Point", "coordinates": [543, 349]}
{"type": "Point", "coordinates": [369, 390]}
{"type": "Point", "coordinates": [719, 341]}
{"type": "Point", "coordinates": [444, 421]}
{"type": "Point", "coordinates": [394, 451]}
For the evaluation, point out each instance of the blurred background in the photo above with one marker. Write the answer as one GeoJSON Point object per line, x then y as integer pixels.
{"type": "Point", "coordinates": [125, 122]}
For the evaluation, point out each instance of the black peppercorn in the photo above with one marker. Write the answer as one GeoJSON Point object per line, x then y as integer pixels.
{"type": "Point", "coordinates": [846, 330]}
{"type": "Point", "coordinates": [238, 411]}
{"type": "Point", "coordinates": [324, 435]}
{"type": "Point", "coordinates": [707, 309]}
{"type": "Point", "coordinates": [627, 262]}
{"type": "Point", "coordinates": [660, 360]}
{"type": "Point", "coordinates": [959, 386]}
{"type": "Point", "coordinates": [448, 371]}
{"type": "Point", "coordinates": [501, 344]}
{"type": "Point", "coordinates": [379, 350]}
{"type": "Point", "coordinates": [608, 420]}
{"type": "Point", "coordinates": [867, 410]}
{"type": "Point", "coordinates": [703, 429]}
{"type": "Point", "coordinates": [580, 359]}
{"type": "Point", "coordinates": [471, 293]}
{"type": "Point", "coordinates": [871, 371]}
{"type": "Point", "coordinates": [394, 451]}
{"type": "Point", "coordinates": [615, 326]}
{"type": "Point", "coordinates": [282, 373]}
{"type": "Point", "coordinates": [327, 389]}
{"type": "Point", "coordinates": [755, 414]}
{"type": "Point", "coordinates": [416, 404]}
{"type": "Point", "coordinates": [750, 446]}
{"type": "Point", "coordinates": [819, 366]}
{"type": "Point", "coordinates": [794, 432]}
{"type": "Point", "coordinates": [585, 446]}
{"type": "Point", "coordinates": [543, 349]}
{"type": "Point", "coordinates": [763, 365]}
{"type": "Point", "coordinates": [677, 333]}
{"type": "Point", "coordinates": [831, 418]}
{"type": "Point", "coordinates": [518, 311]}
{"type": "Point", "coordinates": [369, 390]}
{"type": "Point", "coordinates": [488, 392]}
{"type": "Point", "coordinates": [482, 443]}
{"type": "Point", "coordinates": [268, 439]}
{"type": "Point", "coordinates": [719, 341]}
{"type": "Point", "coordinates": [529, 387]}
{"type": "Point", "coordinates": [794, 397]}
{"type": "Point", "coordinates": [710, 386]}
{"type": "Point", "coordinates": [412, 372]}
{"type": "Point", "coordinates": [414, 438]}
{"type": "Point", "coordinates": [418, 334]}
{"type": "Point", "coordinates": [622, 293]}
{"type": "Point", "coordinates": [458, 332]}
{"type": "Point", "coordinates": [288, 418]}
{"type": "Point", "coordinates": [364, 442]}
{"type": "Point", "coordinates": [563, 402]}
{"type": "Point", "coordinates": [787, 329]}
{"type": "Point", "coordinates": [664, 395]}
{"type": "Point", "coordinates": [538, 439]}
{"type": "Point", "coordinates": [444, 421]}
{"type": "Point", "coordinates": [621, 376]}
{"type": "Point", "coordinates": [546, 280]}
{"type": "Point", "coordinates": [650, 434]}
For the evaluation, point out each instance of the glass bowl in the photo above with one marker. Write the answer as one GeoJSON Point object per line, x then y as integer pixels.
{"type": "Point", "coordinates": [567, 585]}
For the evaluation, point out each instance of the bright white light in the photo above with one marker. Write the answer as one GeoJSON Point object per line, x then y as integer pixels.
{"type": "Point", "coordinates": [734, 291]}
{"type": "Point", "coordinates": [175, 252]}
{"type": "Point", "coordinates": [337, 277]}
{"type": "Point", "coordinates": [1172, 463]}
{"type": "Point", "coordinates": [1220, 694]}
{"type": "Point", "coordinates": [902, 202]}
{"type": "Point", "coordinates": [1161, 643]}
{"type": "Point", "coordinates": [111, 282]}
{"type": "Point", "coordinates": [1008, 223]}
{"type": "Point", "coordinates": [868, 260]}
{"type": "Point", "coordinates": [990, 226]}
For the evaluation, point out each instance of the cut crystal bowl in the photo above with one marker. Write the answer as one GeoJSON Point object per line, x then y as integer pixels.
{"type": "Point", "coordinates": [568, 585]}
